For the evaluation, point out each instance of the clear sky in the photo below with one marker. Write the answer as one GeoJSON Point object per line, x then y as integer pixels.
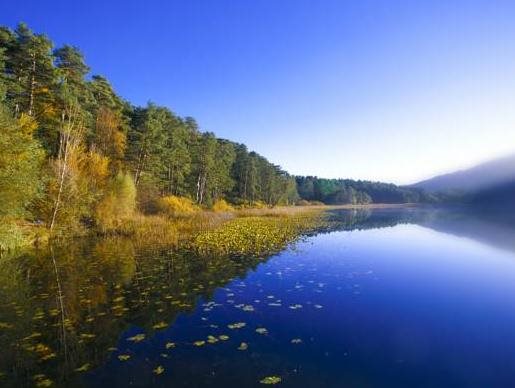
{"type": "Point", "coordinates": [384, 90]}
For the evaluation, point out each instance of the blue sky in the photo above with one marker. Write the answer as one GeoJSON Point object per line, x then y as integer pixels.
{"type": "Point", "coordinates": [384, 90]}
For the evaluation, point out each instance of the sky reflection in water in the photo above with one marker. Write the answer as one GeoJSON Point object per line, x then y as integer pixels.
{"type": "Point", "coordinates": [388, 300]}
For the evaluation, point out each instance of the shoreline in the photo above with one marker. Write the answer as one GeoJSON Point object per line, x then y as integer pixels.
{"type": "Point", "coordinates": [161, 229]}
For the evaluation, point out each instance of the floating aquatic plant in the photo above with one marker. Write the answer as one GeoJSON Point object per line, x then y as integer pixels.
{"type": "Point", "coordinates": [87, 336]}
{"type": "Point", "coordinates": [256, 236]}
{"type": "Point", "coordinates": [42, 381]}
{"type": "Point", "coordinates": [237, 325]}
{"type": "Point", "coordinates": [83, 368]}
{"type": "Point", "coordinates": [271, 380]}
{"type": "Point", "coordinates": [137, 338]}
{"type": "Point", "coordinates": [211, 339]}
{"type": "Point", "coordinates": [160, 325]}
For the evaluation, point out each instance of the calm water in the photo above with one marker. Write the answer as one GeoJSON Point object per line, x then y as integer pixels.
{"type": "Point", "coordinates": [391, 298]}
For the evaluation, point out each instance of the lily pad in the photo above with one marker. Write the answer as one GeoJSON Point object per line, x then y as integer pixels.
{"type": "Point", "coordinates": [160, 325]}
{"type": "Point", "coordinates": [271, 380]}
{"type": "Point", "coordinates": [137, 338]}
{"type": "Point", "coordinates": [83, 368]}
{"type": "Point", "coordinates": [237, 325]}
{"type": "Point", "coordinates": [211, 339]}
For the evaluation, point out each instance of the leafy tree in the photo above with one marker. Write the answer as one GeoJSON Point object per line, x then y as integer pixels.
{"type": "Point", "coordinates": [147, 141]}
{"type": "Point", "coordinates": [221, 181]}
{"type": "Point", "coordinates": [118, 203]}
{"type": "Point", "coordinates": [29, 71]}
{"type": "Point", "coordinates": [204, 163]}
{"type": "Point", "coordinates": [20, 162]}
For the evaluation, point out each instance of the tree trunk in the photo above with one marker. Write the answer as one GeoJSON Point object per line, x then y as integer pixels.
{"type": "Point", "coordinates": [32, 86]}
{"type": "Point", "coordinates": [63, 150]}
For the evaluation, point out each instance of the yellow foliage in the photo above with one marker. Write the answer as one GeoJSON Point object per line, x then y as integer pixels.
{"type": "Point", "coordinates": [27, 124]}
{"type": "Point", "coordinates": [175, 206]}
{"type": "Point", "coordinates": [96, 167]}
{"type": "Point", "coordinates": [254, 205]}
{"type": "Point", "coordinates": [222, 206]}
{"type": "Point", "coordinates": [109, 138]}
{"type": "Point", "coordinates": [118, 203]}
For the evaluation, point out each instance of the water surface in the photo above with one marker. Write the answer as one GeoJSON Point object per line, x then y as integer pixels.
{"type": "Point", "coordinates": [390, 297]}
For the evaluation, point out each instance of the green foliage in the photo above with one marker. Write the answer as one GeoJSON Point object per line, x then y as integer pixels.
{"type": "Point", "coordinates": [346, 191]}
{"type": "Point", "coordinates": [20, 161]}
{"type": "Point", "coordinates": [11, 236]}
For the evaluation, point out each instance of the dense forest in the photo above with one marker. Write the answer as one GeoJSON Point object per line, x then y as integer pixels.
{"type": "Point", "coordinates": [74, 153]}
{"type": "Point", "coordinates": [73, 150]}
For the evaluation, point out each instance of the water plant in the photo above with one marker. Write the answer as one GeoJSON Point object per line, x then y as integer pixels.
{"type": "Point", "coordinates": [271, 380]}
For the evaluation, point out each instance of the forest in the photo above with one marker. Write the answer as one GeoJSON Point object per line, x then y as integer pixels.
{"type": "Point", "coordinates": [75, 154]}
{"type": "Point", "coordinates": [348, 191]}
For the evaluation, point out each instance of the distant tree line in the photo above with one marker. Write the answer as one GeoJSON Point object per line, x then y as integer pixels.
{"type": "Point", "coordinates": [347, 191]}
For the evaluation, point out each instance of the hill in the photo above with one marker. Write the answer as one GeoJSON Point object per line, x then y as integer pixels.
{"type": "Point", "coordinates": [485, 176]}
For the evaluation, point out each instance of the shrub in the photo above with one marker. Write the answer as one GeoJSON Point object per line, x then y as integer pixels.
{"type": "Point", "coordinates": [175, 206]}
{"type": "Point", "coordinates": [221, 205]}
{"type": "Point", "coordinates": [11, 236]}
{"type": "Point", "coordinates": [259, 205]}
{"type": "Point", "coordinates": [118, 203]}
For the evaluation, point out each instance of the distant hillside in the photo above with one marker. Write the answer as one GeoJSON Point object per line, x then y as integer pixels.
{"type": "Point", "coordinates": [348, 191]}
{"type": "Point", "coordinates": [503, 194]}
{"type": "Point", "coordinates": [495, 173]}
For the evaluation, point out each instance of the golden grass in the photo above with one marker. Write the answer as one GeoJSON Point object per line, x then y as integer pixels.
{"type": "Point", "coordinates": [159, 229]}
{"type": "Point", "coordinates": [248, 231]}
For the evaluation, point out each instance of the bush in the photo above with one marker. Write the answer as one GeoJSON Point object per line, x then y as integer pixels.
{"type": "Point", "coordinates": [118, 203]}
{"type": "Point", "coordinates": [221, 205]}
{"type": "Point", "coordinates": [11, 236]}
{"type": "Point", "coordinates": [175, 206]}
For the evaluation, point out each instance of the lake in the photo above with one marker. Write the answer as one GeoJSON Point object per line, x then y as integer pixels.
{"type": "Point", "coordinates": [415, 297]}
